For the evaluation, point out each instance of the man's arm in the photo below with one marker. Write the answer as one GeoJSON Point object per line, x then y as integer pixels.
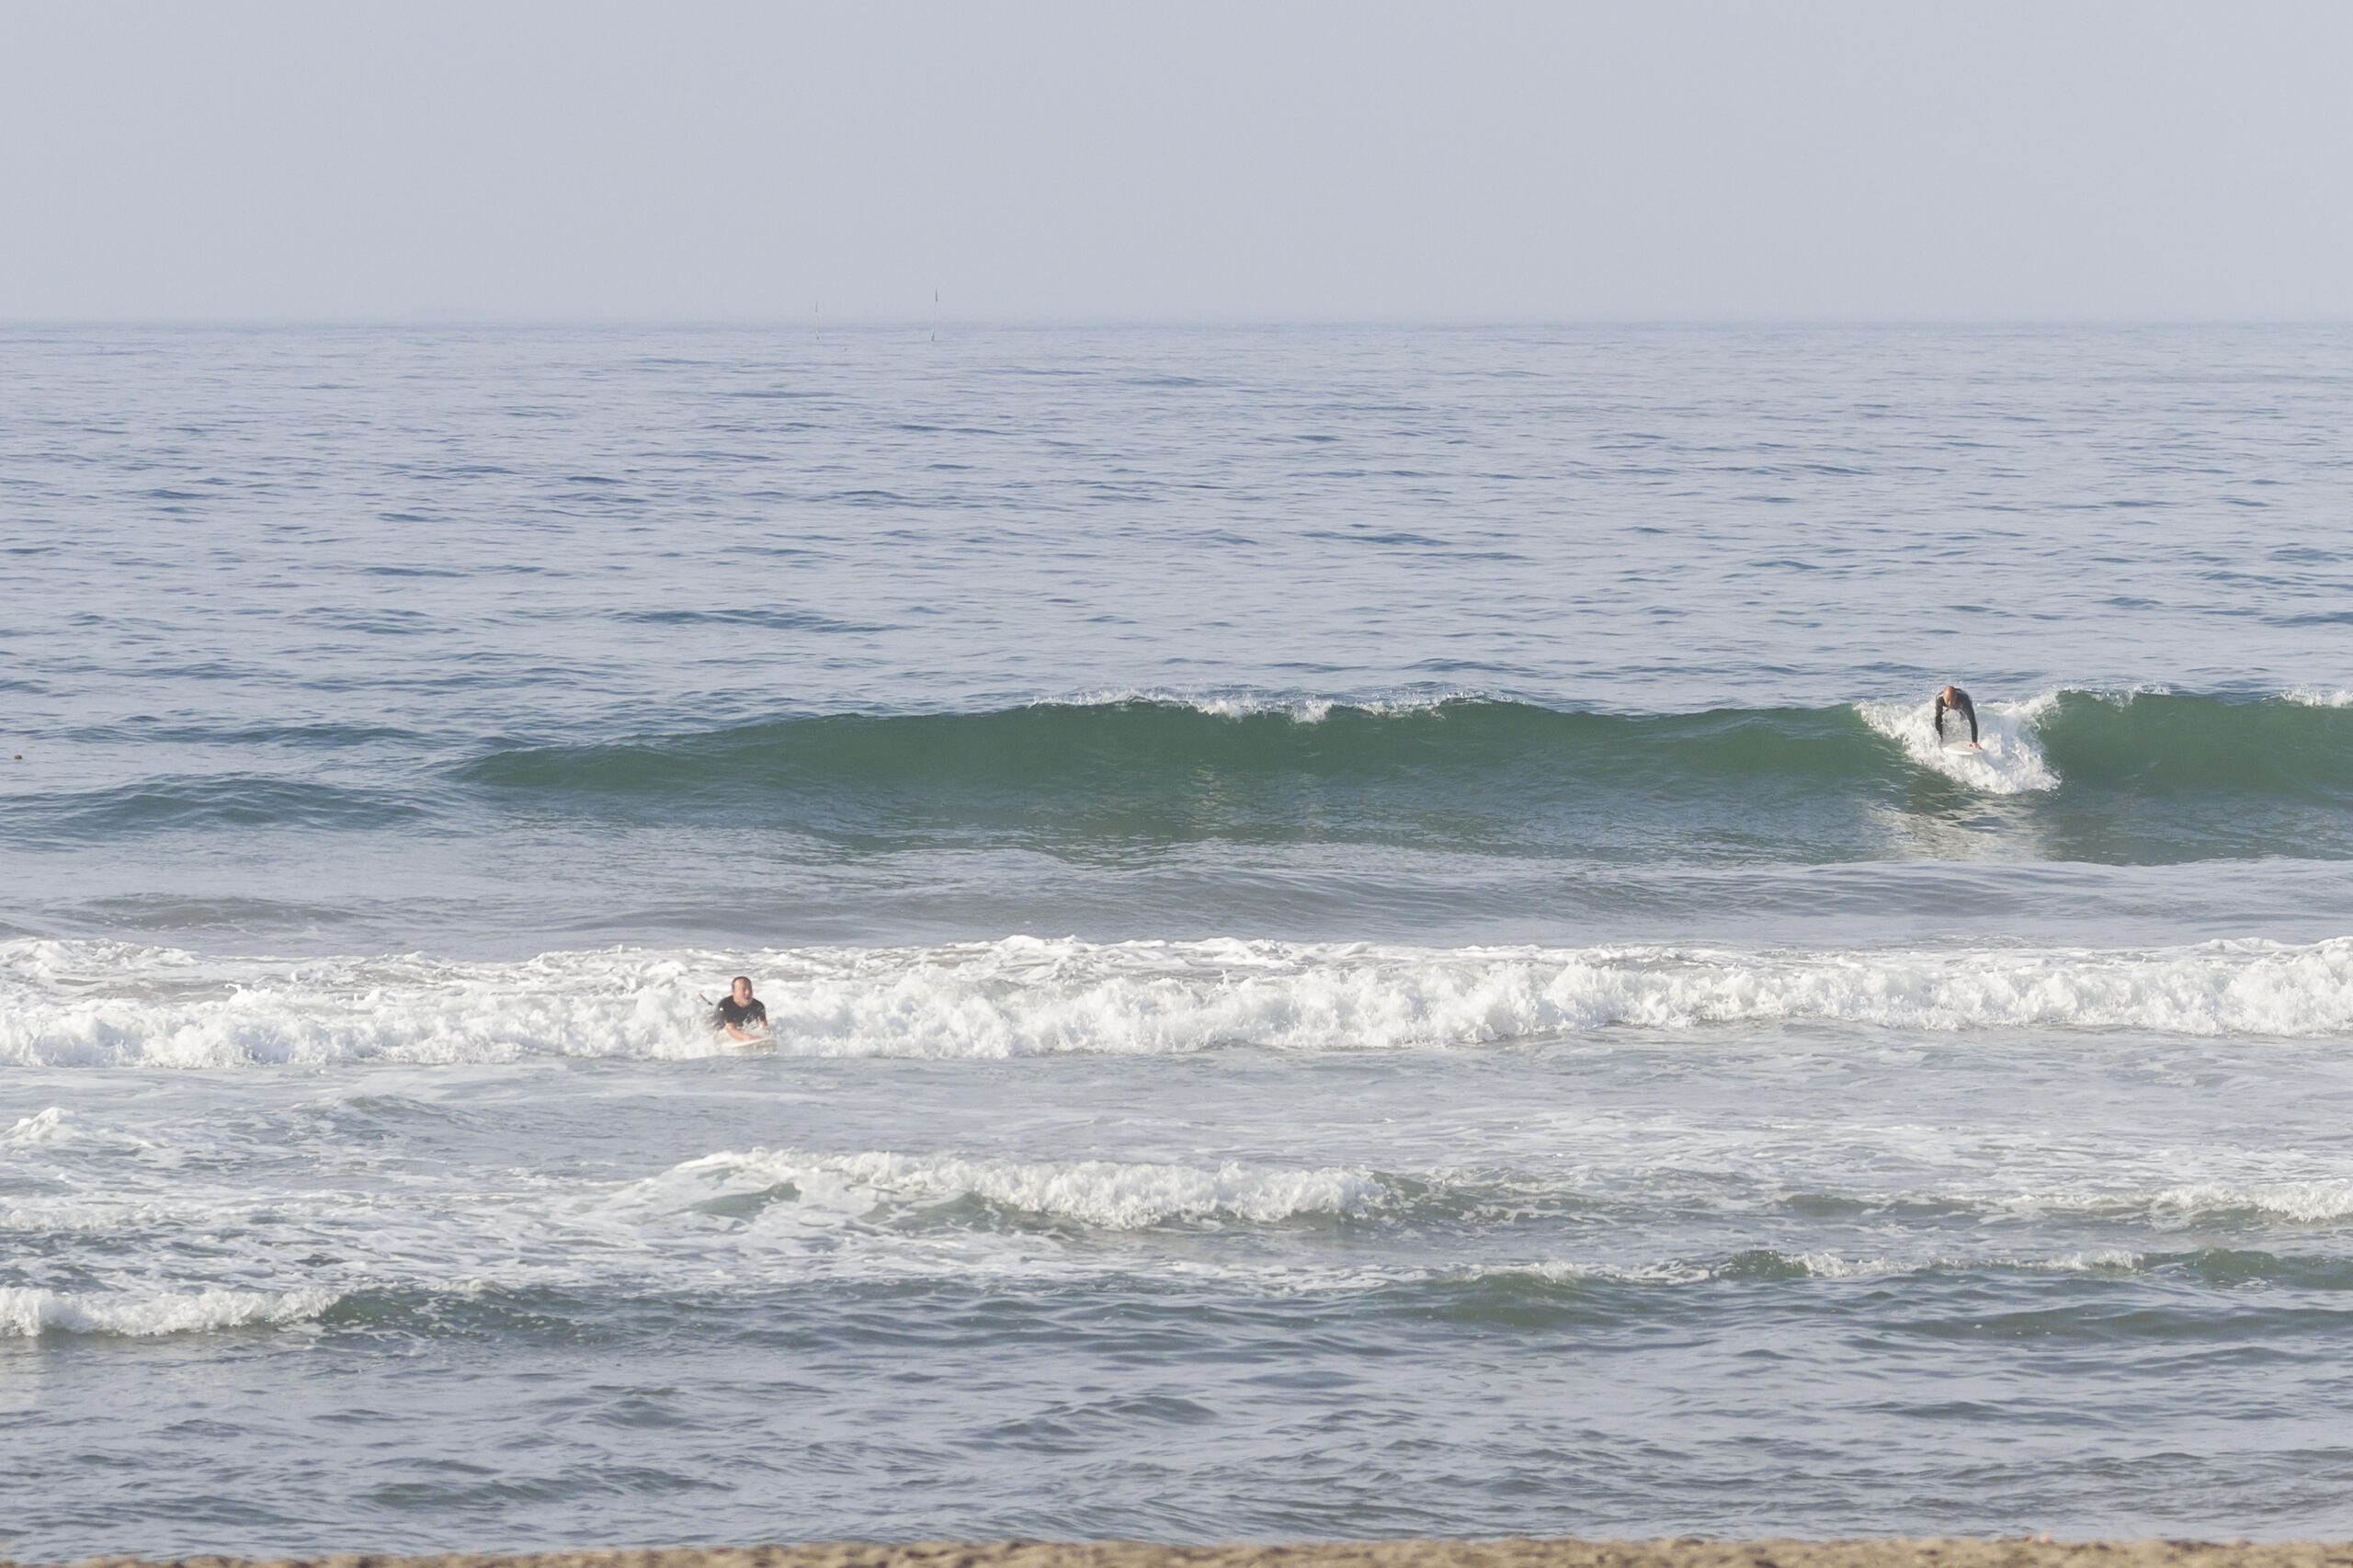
{"type": "Point", "coordinates": [1970, 709]}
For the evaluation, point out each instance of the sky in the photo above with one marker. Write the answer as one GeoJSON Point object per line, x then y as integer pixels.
{"type": "Point", "coordinates": [1193, 161]}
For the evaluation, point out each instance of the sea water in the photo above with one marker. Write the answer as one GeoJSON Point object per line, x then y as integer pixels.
{"type": "Point", "coordinates": [1367, 930]}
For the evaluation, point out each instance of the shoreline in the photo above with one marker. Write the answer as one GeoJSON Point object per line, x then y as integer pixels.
{"type": "Point", "coordinates": [1675, 1552]}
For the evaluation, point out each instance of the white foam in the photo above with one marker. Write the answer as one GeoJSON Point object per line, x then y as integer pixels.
{"type": "Point", "coordinates": [2306, 1202]}
{"type": "Point", "coordinates": [1246, 704]}
{"type": "Point", "coordinates": [2319, 697]}
{"type": "Point", "coordinates": [104, 1004]}
{"type": "Point", "coordinates": [1023, 996]}
{"type": "Point", "coordinates": [50, 1126]}
{"type": "Point", "coordinates": [1830, 1266]}
{"type": "Point", "coordinates": [1109, 1195]}
{"type": "Point", "coordinates": [1560, 1272]}
{"type": "Point", "coordinates": [1826, 1266]}
{"type": "Point", "coordinates": [2008, 761]}
{"type": "Point", "coordinates": [25, 1313]}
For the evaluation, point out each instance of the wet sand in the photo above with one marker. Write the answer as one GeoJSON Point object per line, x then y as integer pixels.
{"type": "Point", "coordinates": [1681, 1553]}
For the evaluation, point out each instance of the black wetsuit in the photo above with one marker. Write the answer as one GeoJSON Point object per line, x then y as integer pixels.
{"type": "Point", "coordinates": [1960, 705]}
{"type": "Point", "coordinates": [752, 1015]}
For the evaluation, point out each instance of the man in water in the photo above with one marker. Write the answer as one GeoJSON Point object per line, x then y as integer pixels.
{"type": "Point", "coordinates": [1952, 698]}
{"type": "Point", "coordinates": [739, 1015]}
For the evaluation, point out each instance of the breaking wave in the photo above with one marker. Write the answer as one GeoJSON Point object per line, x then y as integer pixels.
{"type": "Point", "coordinates": [26, 1312]}
{"type": "Point", "coordinates": [2044, 742]}
{"type": "Point", "coordinates": [2127, 778]}
{"type": "Point", "coordinates": [100, 1003]}
{"type": "Point", "coordinates": [1105, 1194]}
{"type": "Point", "coordinates": [2138, 778]}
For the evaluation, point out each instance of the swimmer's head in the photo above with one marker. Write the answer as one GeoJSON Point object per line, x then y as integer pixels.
{"type": "Point", "coordinates": [741, 989]}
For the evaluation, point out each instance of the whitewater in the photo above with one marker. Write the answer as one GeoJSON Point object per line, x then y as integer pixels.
{"type": "Point", "coordinates": [1366, 932]}
{"type": "Point", "coordinates": [108, 1005]}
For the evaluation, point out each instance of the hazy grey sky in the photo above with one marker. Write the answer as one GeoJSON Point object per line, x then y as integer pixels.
{"type": "Point", "coordinates": [1173, 162]}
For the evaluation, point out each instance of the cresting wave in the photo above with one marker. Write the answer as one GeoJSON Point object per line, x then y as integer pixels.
{"type": "Point", "coordinates": [1114, 1195]}
{"type": "Point", "coordinates": [1104, 1194]}
{"type": "Point", "coordinates": [1505, 1289]}
{"type": "Point", "coordinates": [2142, 778]}
{"type": "Point", "coordinates": [2068, 738]}
{"type": "Point", "coordinates": [26, 1312]}
{"type": "Point", "coordinates": [99, 1004]}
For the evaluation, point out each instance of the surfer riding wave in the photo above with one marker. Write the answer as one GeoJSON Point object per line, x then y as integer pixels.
{"type": "Point", "coordinates": [1952, 699]}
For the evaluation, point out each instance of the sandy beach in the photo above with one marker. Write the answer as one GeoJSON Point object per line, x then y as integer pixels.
{"type": "Point", "coordinates": [1925, 1553]}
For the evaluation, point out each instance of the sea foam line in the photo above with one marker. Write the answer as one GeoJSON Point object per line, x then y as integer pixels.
{"type": "Point", "coordinates": [1106, 1194]}
{"type": "Point", "coordinates": [1239, 704]}
{"type": "Point", "coordinates": [99, 1004]}
{"type": "Point", "coordinates": [27, 1312]}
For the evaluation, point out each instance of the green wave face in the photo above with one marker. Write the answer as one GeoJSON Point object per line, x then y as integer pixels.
{"type": "Point", "coordinates": [1479, 777]}
{"type": "Point", "coordinates": [2148, 779]}
{"type": "Point", "coordinates": [2160, 744]}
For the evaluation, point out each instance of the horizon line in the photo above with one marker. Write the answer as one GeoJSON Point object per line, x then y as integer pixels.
{"type": "Point", "coordinates": [1146, 323]}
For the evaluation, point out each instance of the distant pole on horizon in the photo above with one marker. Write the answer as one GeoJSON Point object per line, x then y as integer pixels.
{"type": "Point", "coordinates": [815, 323]}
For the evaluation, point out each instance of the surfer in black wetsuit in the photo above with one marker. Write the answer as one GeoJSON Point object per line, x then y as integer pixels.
{"type": "Point", "coordinates": [1952, 697]}
{"type": "Point", "coordinates": [739, 1015]}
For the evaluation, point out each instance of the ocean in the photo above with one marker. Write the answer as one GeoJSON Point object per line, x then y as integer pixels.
{"type": "Point", "coordinates": [1366, 930]}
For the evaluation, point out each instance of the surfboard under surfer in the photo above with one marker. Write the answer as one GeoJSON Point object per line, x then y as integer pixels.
{"type": "Point", "coordinates": [1952, 699]}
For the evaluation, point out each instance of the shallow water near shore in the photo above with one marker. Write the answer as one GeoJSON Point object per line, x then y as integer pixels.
{"type": "Point", "coordinates": [1367, 932]}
